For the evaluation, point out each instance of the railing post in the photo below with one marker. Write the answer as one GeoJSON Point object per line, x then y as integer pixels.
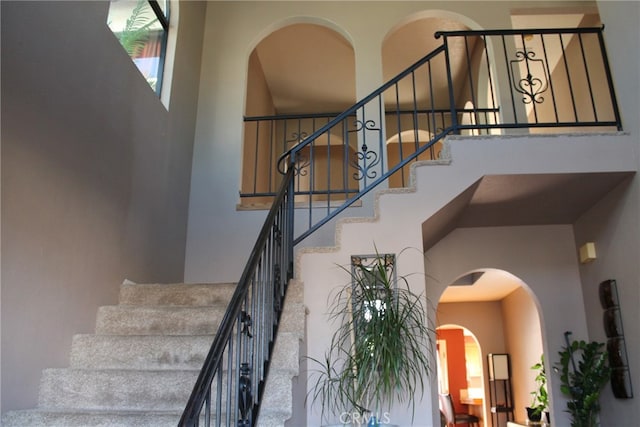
{"type": "Point", "coordinates": [289, 232]}
{"type": "Point", "coordinates": [452, 97]}
{"type": "Point", "coordinates": [612, 91]}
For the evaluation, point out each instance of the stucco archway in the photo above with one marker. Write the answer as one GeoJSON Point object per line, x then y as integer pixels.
{"type": "Point", "coordinates": [501, 312]}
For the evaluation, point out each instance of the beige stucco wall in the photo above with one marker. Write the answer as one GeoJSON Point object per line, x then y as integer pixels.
{"type": "Point", "coordinates": [95, 177]}
{"type": "Point", "coordinates": [75, 213]}
{"type": "Point", "coordinates": [544, 259]}
{"type": "Point", "coordinates": [523, 333]}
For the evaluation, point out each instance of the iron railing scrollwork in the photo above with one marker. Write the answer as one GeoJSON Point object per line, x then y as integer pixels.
{"type": "Point", "coordinates": [229, 388]}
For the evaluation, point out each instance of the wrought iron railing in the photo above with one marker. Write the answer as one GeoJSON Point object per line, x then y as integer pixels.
{"type": "Point", "coordinates": [550, 80]}
{"type": "Point", "coordinates": [489, 82]}
{"type": "Point", "coordinates": [231, 383]}
{"type": "Point", "coordinates": [270, 136]}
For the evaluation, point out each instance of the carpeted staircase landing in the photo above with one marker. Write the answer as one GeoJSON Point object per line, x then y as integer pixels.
{"type": "Point", "coordinates": [140, 366]}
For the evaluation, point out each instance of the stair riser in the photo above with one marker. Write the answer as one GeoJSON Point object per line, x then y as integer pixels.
{"type": "Point", "coordinates": [117, 390]}
{"type": "Point", "coordinates": [133, 320]}
{"type": "Point", "coordinates": [139, 352]}
{"type": "Point", "coordinates": [268, 418]}
{"type": "Point", "coordinates": [176, 294]}
{"type": "Point", "coordinates": [161, 352]}
{"type": "Point", "coordinates": [132, 390]}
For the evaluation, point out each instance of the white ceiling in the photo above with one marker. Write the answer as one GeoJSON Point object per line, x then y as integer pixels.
{"type": "Point", "coordinates": [492, 285]}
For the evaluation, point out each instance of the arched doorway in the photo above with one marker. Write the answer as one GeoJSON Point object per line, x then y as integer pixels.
{"type": "Point", "coordinates": [460, 368]}
{"type": "Point", "coordinates": [500, 312]}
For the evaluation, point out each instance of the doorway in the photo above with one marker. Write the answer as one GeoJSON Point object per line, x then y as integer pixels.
{"type": "Point", "coordinates": [487, 311]}
{"type": "Point", "coordinates": [460, 369]}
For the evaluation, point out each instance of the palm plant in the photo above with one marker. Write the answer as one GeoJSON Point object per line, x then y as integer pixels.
{"type": "Point", "coordinates": [582, 382]}
{"type": "Point", "coordinates": [379, 353]}
{"type": "Point", "coordinates": [135, 34]}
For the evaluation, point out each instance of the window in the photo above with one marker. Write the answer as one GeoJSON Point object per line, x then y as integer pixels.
{"type": "Point", "coordinates": [374, 284]}
{"type": "Point", "coordinates": [142, 26]}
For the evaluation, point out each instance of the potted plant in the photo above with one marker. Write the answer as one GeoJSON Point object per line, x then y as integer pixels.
{"type": "Point", "coordinates": [378, 355]}
{"type": "Point", "coordinates": [583, 381]}
{"type": "Point", "coordinates": [540, 396]}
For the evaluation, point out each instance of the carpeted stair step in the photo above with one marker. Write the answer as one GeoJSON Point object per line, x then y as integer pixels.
{"type": "Point", "coordinates": [176, 294]}
{"type": "Point", "coordinates": [150, 352]}
{"type": "Point", "coordinates": [158, 320]}
{"type": "Point", "coordinates": [161, 352]}
{"type": "Point", "coordinates": [115, 389]}
{"type": "Point", "coordinates": [124, 390]}
{"type": "Point", "coordinates": [40, 418]}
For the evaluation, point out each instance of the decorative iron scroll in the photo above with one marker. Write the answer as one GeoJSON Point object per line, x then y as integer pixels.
{"type": "Point", "coordinates": [301, 165]}
{"type": "Point", "coordinates": [370, 261]}
{"type": "Point", "coordinates": [530, 86]}
{"type": "Point", "coordinates": [297, 137]}
{"type": "Point", "coordinates": [365, 160]}
{"type": "Point", "coordinates": [244, 396]}
{"type": "Point", "coordinates": [245, 319]}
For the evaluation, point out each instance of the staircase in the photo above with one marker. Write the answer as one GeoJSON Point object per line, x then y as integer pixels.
{"type": "Point", "coordinates": [139, 367]}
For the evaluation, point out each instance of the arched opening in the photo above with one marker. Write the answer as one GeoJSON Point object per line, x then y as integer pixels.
{"type": "Point", "coordinates": [460, 369]}
{"type": "Point", "coordinates": [419, 109]}
{"type": "Point", "coordinates": [500, 312]}
{"type": "Point", "coordinates": [405, 144]}
{"type": "Point", "coordinates": [298, 77]}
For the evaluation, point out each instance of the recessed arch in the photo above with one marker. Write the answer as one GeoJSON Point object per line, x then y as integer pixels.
{"type": "Point", "coordinates": [424, 101]}
{"type": "Point", "coordinates": [314, 20]}
{"type": "Point", "coordinates": [459, 361]}
{"type": "Point", "coordinates": [435, 13]}
{"type": "Point", "coordinates": [300, 73]}
{"type": "Point", "coordinates": [414, 37]}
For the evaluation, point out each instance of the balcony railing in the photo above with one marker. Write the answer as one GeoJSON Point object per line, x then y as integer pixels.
{"type": "Point", "coordinates": [476, 82]}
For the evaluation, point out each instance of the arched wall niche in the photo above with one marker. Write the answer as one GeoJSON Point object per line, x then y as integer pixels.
{"type": "Point", "coordinates": [297, 66]}
{"type": "Point", "coordinates": [428, 94]}
{"type": "Point", "coordinates": [315, 20]}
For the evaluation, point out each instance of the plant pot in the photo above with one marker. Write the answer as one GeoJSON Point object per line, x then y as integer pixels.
{"type": "Point", "coordinates": [532, 415]}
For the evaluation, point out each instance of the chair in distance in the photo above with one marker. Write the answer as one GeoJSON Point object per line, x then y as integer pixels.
{"type": "Point", "coordinates": [452, 419]}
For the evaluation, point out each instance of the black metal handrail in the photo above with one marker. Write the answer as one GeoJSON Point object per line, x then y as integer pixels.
{"type": "Point", "coordinates": [234, 372]}
{"type": "Point", "coordinates": [554, 80]}
{"type": "Point", "coordinates": [300, 127]}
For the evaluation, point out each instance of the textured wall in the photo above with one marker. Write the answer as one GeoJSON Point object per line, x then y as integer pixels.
{"type": "Point", "coordinates": [95, 178]}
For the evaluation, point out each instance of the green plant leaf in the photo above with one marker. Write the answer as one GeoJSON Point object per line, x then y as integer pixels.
{"type": "Point", "coordinates": [379, 351]}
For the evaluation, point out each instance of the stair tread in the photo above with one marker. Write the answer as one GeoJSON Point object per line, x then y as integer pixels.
{"type": "Point", "coordinates": [94, 418]}
{"type": "Point", "coordinates": [158, 320]}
